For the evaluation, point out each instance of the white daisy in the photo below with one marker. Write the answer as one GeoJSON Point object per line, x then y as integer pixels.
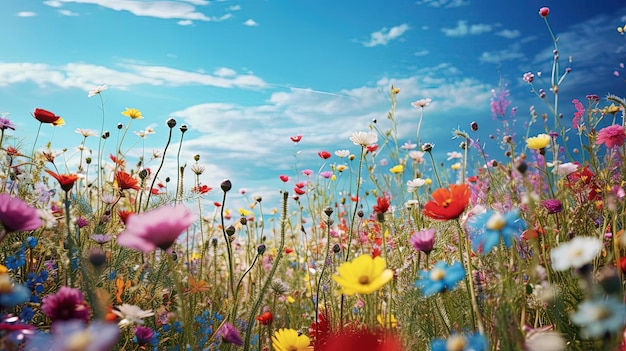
{"type": "Point", "coordinates": [131, 314]}
{"type": "Point", "coordinates": [364, 138]}
{"type": "Point", "coordinates": [575, 253]}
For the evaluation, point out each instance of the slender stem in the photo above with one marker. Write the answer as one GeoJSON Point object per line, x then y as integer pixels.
{"type": "Point", "coordinates": [169, 139]}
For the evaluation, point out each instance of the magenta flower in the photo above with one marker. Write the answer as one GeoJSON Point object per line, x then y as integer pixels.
{"type": "Point", "coordinates": [16, 215]}
{"type": "Point", "coordinates": [158, 228]}
{"type": "Point", "coordinates": [552, 205]}
{"type": "Point", "coordinates": [67, 304]}
{"type": "Point", "coordinates": [230, 334]}
{"type": "Point", "coordinates": [544, 11]}
{"type": "Point", "coordinates": [143, 335]}
{"type": "Point", "coordinates": [6, 124]}
{"type": "Point", "coordinates": [423, 240]}
{"type": "Point", "coordinates": [611, 136]}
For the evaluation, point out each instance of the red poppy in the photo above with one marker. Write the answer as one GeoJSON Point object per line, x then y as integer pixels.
{"type": "Point", "coordinates": [448, 203]}
{"type": "Point", "coordinates": [11, 151]}
{"type": "Point", "coordinates": [472, 179]}
{"type": "Point", "coordinates": [217, 204]}
{"type": "Point", "coordinates": [382, 205]}
{"type": "Point", "coordinates": [288, 250]}
{"type": "Point", "coordinates": [126, 181]}
{"type": "Point", "coordinates": [284, 178]}
{"type": "Point", "coordinates": [301, 184]}
{"type": "Point", "coordinates": [296, 138]}
{"type": "Point", "coordinates": [45, 116]}
{"type": "Point", "coordinates": [320, 331]}
{"type": "Point", "coordinates": [265, 318]}
{"type": "Point", "coordinates": [324, 154]}
{"type": "Point", "coordinates": [299, 191]}
{"type": "Point", "coordinates": [66, 180]}
{"type": "Point", "coordinates": [203, 189]}
{"type": "Point", "coordinates": [358, 339]}
{"type": "Point", "coordinates": [124, 215]}
{"type": "Point", "coordinates": [119, 162]}
{"type": "Point", "coordinates": [372, 148]}
{"type": "Point", "coordinates": [154, 191]}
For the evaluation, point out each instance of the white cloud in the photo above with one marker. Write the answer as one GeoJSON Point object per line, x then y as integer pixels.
{"type": "Point", "coordinates": [462, 29]}
{"type": "Point", "coordinates": [185, 22]}
{"type": "Point", "coordinates": [26, 14]}
{"type": "Point", "coordinates": [250, 23]}
{"type": "Point", "coordinates": [53, 3]}
{"type": "Point", "coordinates": [85, 76]}
{"type": "Point", "coordinates": [509, 34]}
{"type": "Point", "coordinates": [443, 3]}
{"type": "Point", "coordinates": [422, 53]}
{"type": "Point", "coordinates": [160, 9]}
{"type": "Point", "coordinates": [225, 72]}
{"type": "Point", "coordinates": [500, 55]}
{"type": "Point", "coordinates": [383, 36]}
{"type": "Point", "coordinates": [67, 13]}
{"type": "Point", "coordinates": [234, 8]}
{"type": "Point", "coordinates": [222, 18]}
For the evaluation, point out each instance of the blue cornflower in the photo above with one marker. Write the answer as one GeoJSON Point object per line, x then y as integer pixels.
{"type": "Point", "coordinates": [18, 260]}
{"type": "Point", "coordinates": [461, 342]}
{"type": "Point", "coordinates": [31, 241]}
{"type": "Point", "coordinates": [599, 317]}
{"type": "Point", "coordinates": [441, 278]}
{"type": "Point", "coordinates": [487, 228]}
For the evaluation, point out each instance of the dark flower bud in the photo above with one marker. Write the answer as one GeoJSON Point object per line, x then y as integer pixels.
{"type": "Point", "coordinates": [463, 145]}
{"type": "Point", "coordinates": [258, 198]}
{"type": "Point", "coordinates": [427, 147]}
{"type": "Point", "coordinates": [88, 160]}
{"type": "Point", "coordinates": [522, 167]}
{"type": "Point", "coordinates": [374, 121]}
{"type": "Point", "coordinates": [507, 139]}
{"type": "Point", "coordinates": [174, 256]}
{"type": "Point", "coordinates": [196, 157]}
{"type": "Point", "coordinates": [214, 241]}
{"type": "Point", "coordinates": [474, 126]}
{"type": "Point", "coordinates": [143, 174]}
{"type": "Point", "coordinates": [167, 179]}
{"type": "Point", "coordinates": [260, 249]}
{"type": "Point", "coordinates": [106, 134]}
{"type": "Point", "coordinates": [359, 213]}
{"type": "Point", "coordinates": [184, 128]}
{"type": "Point", "coordinates": [243, 220]}
{"type": "Point", "coordinates": [120, 126]}
{"type": "Point", "coordinates": [230, 230]}
{"type": "Point", "coordinates": [97, 258]}
{"type": "Point", "coordinates": [336, 248]}
{"type": "Point", "coordinates": [226, 185]}
{"type": "Point", "coordinates": [171, 123]}
{"type": "Point", "coordinates": [328, 211]}
{"type": "Point", "coordinates": [508, 153]}
{"type": "Point", "coordinates": [351, 157]}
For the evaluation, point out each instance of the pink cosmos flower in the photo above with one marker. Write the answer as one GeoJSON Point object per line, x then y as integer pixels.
{"type": "Point", "coordinates": [67, 304]}
{"type": "Point", "coordinates": [158, 228]}
{"type": "Point", "coordinates": [611, 136]}
{"type": "Point", "coordinates": [423, 240]}
{"type": "Point", "coordinates": [16, 215]}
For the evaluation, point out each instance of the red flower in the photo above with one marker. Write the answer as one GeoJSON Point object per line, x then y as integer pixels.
{"type": "Point", "coordinates": [320, 331]}
{"type": "Point", "coordinates": [448, 203]}
{"type": "Point", "coordinates": [382, 205]}
{"type": "Point", "coordinates": [622, 264]}
{"type": "Point", "coordinates": [324, 154]}
{"type": "Point", "coordinates": [126, 181]}
{"type": "Point", "coordinates": [203, 189]}
{"type": "Point", "coordinates": [284, 178]}
{"type": "Point", "coordinates": [372, 148]}
{"type": "Point", "coordinates": [45, 116]}
{"type": "Point", "coordinates": [66, 180]}
{"type": "Point", "coordinates": [544, 11]}
{"type": "Point", "coordinates": [124, 215]}
{"type": "Point", "coordinates": [301, 184]}
{"type": "Point", "coordinates": [358, 339]}
{"type": "Point", "coordinates": [217, 204]}
{"type": "Point", "coordinates": [299, 191]}
{"type": "Point", "coordinates": [288, 250]}
{"type": "Point", "coordinates": [296, 138]}
{"type": "Point", "coordinates": [266, 318]}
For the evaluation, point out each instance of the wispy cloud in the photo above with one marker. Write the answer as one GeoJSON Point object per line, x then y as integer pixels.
{"type": "Point", "coordinates": [85, 76]}
{"type": "Point", "coordinates": [383, 36]}
{"type": "Point", "coordinates": [444, 3]}
{"type": "Point", "coordinates": [68, 13]}
{"type": "Point", "coordinates": [26, 14]}
{"type": "Point", "coordinates": [250, 23]}
{"type": "Point", "coordinates": [170, 9]}
{"type": "Point", "coordinates": [509, 34]}
{"type": "Point", "coordinates": [462, 29]}
{"type": "Point", "coordinates": [234, 8]}
{"type": "Point", "coordinates": [422, 53]}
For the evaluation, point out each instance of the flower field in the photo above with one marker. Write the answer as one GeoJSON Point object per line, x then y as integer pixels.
{"type": "Point", "coordinates": [521, 252]}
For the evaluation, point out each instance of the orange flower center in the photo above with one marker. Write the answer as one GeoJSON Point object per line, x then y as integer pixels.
{"type": "Point", "coordinates": [446, 203]}
{"type": "Point", "coordinates": [364, 280]}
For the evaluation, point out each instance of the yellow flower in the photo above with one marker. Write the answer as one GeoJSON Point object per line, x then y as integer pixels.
{"type": "Point", "coordinates": [341, 168]}
{"type": "Point", "coordinates": [290, 299]}
{"type": "Point", "coordinates": [539, 142]}
{"type": "Point", "coordinates": [363, 275]}
{"type": "Point", "coordinates": [289, 340]}
{"type": "Point", "coordinates": [392, 322]}
{"type": "Point", "coordinates": [132, 113]}
{"type": "Point", "coordinates": [456, 166]}
{"type": "Point", "coordinates": [59, 122]}
{"type": "Point", "coordinates": [610, 109]}
{"type": "Point", "coordinates": [333, 178]}
{"type": "Point", "coordinates": [397, 169]}
{"type": "Point", "coordinates": [244, 212]}
{"type": "Point", "coordinates": [428, 181]}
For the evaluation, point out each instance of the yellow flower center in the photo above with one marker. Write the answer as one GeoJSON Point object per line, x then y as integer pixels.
{"type": "Point", "coordinates": [496, 222]}
{"type": "Point", "coordinates": [601, 313]}
{"type": "Point", "coordinates": [364, 280]}
{"type": "Point", "coordinates": [455, 343]}
{"type": "Point", "coordinates": [437, 274]}
{"type": "Point", "coordinates": [446, 203]}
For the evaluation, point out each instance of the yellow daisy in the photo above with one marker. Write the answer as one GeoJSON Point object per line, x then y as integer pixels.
{"type": "Point", "coordinates": [363, 275]}
{"type": "Point", "coordinates": [539, 142]}
{"type": "Point", "coordinates": [289, 340]}
{"type": "Point", "coordinates": [397, 169]}
{"type": "Point", "coordinates": [132, 113]}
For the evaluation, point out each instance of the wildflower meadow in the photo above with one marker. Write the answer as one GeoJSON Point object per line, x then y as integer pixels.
{"type": "Point", "coordinates": [519, 250]}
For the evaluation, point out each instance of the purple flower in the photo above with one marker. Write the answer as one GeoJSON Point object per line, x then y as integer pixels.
{"type": "Point", "coordinates": [16, 215]}
{"type": "Point", "coordinates": [423, 240]}
{"type": "Point", "coordinates": [67, 304]}
{"type": "Point", "coordinates": [143, 335]}
{"type": "Point", "coordinates": [100, 238]}
{"type": "Point", "coordinates": [552, 205]}
{"type": "Point", "coordinates": [81, 222]}
{"type": "Point", "coordinates": [158, 228]}
{"type": "Point", "coordinates": [6, 124]}
{"type": "Point", "coordinates": [230, 334]}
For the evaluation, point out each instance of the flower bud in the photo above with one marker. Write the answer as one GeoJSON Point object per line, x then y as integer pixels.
{"type": "Point", "coordinates": [328, 211]}
{"type": "Point", "coordinates": [359, 213]}
{"type": "Point", "coordinates": [336, 248]}
{"type": "Point", "coordinates": [474, 126]}
{"type": "Point", "coordinates": [226, 185]}
{"type": "Point", "coordinates": [97, 257]}
{"type": "Point", "coordinates": [230, 230]}
{"type": "Point", "coordinates": [184, 128]}
{"type": "Point", "coordinates": [427, 147]}
{"type": "Point", "coordinates": [88, 160]}
{"type": "Point", "coordinates": [243, 220]}
{"type": "Point", "coordinates": [214, 241]}
{"type": "Point", "coordinates": [120, 126]}
{"type": "Point", "coordinates": [171, 123]}
{"type": "Point", "coordinates": [261, 249]}
{"type": "Point", "coordinates": [143, 174]}
{"type": "Point", "coordinates": [196, 157]}
{"type": "Point", "coordinates": [106, 134]}
{"type": "Point", "coordinates": [258, 198]}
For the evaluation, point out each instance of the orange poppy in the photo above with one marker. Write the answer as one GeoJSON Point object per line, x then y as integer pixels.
{"type": "Point", "coordinates": [126, 181]}
{"type": "Point", "coordinates": [448, 203]}
{"type": "Point", "coordinates": [45, 116]}
{"type": "Point", "coordinates": [66, 180]}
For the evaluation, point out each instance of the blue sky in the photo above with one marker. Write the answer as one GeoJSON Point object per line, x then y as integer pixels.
{"type": "Point", "coordinates": [247, 75]}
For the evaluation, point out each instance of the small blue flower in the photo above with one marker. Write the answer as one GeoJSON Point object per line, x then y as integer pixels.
{"type": "Point", "coordinates": [487, 228]}
{"type": "Point", "coordinates": [441, 278]}
{"type": "Point", "coordinates": [599, 317]}
{"type": "Point", "coordinates": [17, 295]}
{"type": "Point", "coordinates": [461, 342]}
{"type": "Point", "coordinates": [31, 241]}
